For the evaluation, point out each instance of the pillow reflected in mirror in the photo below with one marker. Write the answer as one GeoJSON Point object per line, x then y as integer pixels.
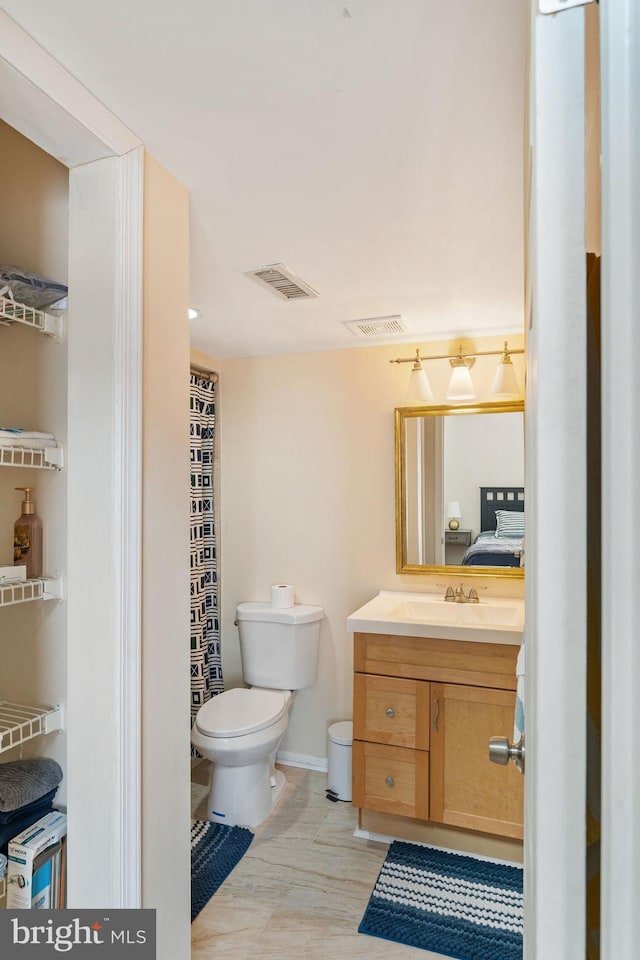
{"type": "Point", "coordinates": [510, 523]}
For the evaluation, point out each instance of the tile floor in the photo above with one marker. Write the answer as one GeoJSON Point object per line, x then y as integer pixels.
{"type": "Point", "coordinates": [302, 887]}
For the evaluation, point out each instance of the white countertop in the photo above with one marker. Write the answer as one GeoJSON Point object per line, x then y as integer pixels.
{"type": "Point", "coordinates": [398, 613]}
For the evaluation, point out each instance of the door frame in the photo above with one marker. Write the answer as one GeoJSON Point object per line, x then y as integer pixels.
{"type": "Point", "coordinates": [45, 103]}
{"type": "Point", "coordinates": [620, 131]}
{"type": "Point", "coordinates": [555, 428]}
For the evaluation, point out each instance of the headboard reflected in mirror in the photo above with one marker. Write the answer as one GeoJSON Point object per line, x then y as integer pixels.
{"type": "Point", "coordinates": [460, 489]}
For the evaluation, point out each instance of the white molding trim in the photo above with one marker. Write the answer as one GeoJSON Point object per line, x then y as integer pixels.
{"type": "Point", "coordinates": [361, 834]}
{"type": "Point", "coordinates": [620, 98]}
{"type": "Point", "coordinates": [128, 512]}
{"type": "Point", "coordinates": [47, 104]}
{"type": "Point", "coordinates": [303, 760]}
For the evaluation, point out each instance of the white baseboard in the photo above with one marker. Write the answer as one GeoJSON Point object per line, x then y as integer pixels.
{"type": "Point", "coordinates": [370, 835]}
{"type": "Point", "coordinates": [302, 760]}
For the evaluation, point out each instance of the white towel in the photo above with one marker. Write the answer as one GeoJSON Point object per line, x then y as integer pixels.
{"type": "Point", "coordinates": [518, 723]}
{"type": "Point", "coordinates": [32, 440]}
{"type": "Point", "coordinates": [9, 433]}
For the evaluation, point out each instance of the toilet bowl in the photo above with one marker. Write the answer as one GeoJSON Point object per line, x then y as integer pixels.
{"type": "Point", "coordinates": [239, 731]}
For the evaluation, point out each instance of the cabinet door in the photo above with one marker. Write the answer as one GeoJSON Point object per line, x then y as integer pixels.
{"type": "Point", "coordinates": [391, 710]}
{"type": "Point", "coordinates": [467, 790]}
{"type": "Point", "coordinates": [391, 779]}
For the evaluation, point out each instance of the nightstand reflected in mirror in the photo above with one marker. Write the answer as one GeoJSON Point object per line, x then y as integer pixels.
{"type": "Point", "coordinates": [455, 544]}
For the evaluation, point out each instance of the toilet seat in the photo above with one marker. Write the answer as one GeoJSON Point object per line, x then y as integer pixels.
{"type": "Point", "coordinates": [238, 712]}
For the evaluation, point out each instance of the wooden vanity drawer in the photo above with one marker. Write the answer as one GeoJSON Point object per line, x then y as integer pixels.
{"type": "Point", "coordinates": [444, 661]}
{"type": "Point", "coordinates": [391, 710]}
{"type": "Point", "coordinates": [391, 779]}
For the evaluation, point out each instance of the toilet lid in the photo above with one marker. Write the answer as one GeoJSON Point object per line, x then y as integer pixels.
{"type": "Point", "coordinates": [237, 712]}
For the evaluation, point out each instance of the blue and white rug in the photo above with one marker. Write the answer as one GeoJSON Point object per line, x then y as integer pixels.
{"type": "Point", "coordinates": [459, 905]}
{"type": "Point", "coordinates": [215, 850]}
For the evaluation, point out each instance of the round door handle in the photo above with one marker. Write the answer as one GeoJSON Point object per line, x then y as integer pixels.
{"type": "Point", "coordinates": [390, 712]}
{"type": "Point", "coordinates": [389, 781]}
{"type": "Point", "coordinates": [502, 751]}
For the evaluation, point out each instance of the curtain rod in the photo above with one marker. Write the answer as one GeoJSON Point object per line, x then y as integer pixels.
{"type": "Point", "coordinates": [203, 372]}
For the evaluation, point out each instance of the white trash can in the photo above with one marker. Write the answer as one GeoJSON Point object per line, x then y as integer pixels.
{"type": "Point", "coordinates": [340, 748]}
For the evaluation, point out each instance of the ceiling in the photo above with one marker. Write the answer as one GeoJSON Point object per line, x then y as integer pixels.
{"type": "Point", "coordinates": [372, 146]}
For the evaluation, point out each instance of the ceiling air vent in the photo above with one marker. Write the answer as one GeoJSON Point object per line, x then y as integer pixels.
{"type": "Point", "coordinates": [376, 326]}
{"type": "Point", "coordinates": [282, 281]}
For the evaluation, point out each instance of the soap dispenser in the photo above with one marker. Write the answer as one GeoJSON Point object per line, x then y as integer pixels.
{"type": "Point", "coordinates": [27, 537]}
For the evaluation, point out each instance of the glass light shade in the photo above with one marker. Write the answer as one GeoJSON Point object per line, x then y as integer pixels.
{"type": "Point", "coordinates": [453, 509]}
{"type": "Point", "coordinates": [505, 383]}
{"type": "Point", "coordinates": [419, 389]}
{"type": "Point", "coordinates": [461, 384]}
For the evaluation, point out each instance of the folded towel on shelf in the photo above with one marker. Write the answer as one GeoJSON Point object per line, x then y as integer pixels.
{"type": "Point", "coordinates": [28, 444]}
{"type": "Point", "coordinates": [30, 288]}
{"type": "Point", "coordinates": [518, 724]}
{"type": "Point", "coordinates": [23, 781]}
{"type": "Point", "coordinates": [16, 432]}
{"type": "Point", "coordinates": [31, 439]}
{"type": "Point", "coordinates": [41, 806]}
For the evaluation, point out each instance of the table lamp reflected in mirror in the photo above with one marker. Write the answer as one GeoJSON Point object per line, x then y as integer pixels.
{"type": "Point", "coordinates": [455, 514]}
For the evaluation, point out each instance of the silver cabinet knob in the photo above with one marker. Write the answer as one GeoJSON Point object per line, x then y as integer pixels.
{"type": "Point", "coordinates": [389, 781]}
{"type": "Point", "coordinates": [390, 712]}
{"type": "Point", "coordinates": [501, 751]}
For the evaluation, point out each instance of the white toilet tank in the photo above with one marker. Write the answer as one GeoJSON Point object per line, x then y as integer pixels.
{"type": "Point", "coordinates": [279, 647]}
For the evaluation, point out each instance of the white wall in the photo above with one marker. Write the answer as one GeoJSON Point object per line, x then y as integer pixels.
{"type": "Point", "coordinates": [33, 395]}
{"type": "Point", "coordinates": [307, 483]}
{"type": "Point", "coordinates": [165, 604]}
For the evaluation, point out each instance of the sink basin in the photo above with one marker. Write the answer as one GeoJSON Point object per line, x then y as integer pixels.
{"type": "Point", "coordinates": [437, 610]}
{"type": "Point", "coordinates": [492, 620]}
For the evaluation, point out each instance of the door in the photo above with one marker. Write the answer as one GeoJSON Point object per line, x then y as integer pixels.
{"type": "Point", "coordinates": [466, 790]}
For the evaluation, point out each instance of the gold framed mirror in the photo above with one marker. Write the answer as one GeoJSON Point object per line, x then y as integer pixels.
{"type": "Point", "coordinates": [460, 489]}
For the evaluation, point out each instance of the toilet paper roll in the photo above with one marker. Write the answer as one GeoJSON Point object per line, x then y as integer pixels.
{"type": "Point", "coordinates": [282, 596]}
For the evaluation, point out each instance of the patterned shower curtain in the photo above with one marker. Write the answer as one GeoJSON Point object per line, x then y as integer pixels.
{"type": "Point", "coordinates": [206, 662]}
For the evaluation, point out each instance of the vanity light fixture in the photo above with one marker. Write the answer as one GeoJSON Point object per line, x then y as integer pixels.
{"type": "Point", "coordinates": [505, 383]}
{"type": "Point", "coordinates": [419, 388]}
{"type": "Point", "coordinates": [461, 389]}
{"type": "Point", "coordinates": [461, 385]}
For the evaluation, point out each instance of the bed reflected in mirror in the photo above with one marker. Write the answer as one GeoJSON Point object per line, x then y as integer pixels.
{"type": "Point", "coordinates": [460, 496]}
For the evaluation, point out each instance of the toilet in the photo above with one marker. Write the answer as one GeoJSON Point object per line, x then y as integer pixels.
{"type": "Point", "coordinates": [239, 730]}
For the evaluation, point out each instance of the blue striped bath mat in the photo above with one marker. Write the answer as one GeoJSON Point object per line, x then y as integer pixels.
{"type": "Point", "coordinates": [450, 903]}
{"type": "Point", "coordinates": [215, 850]}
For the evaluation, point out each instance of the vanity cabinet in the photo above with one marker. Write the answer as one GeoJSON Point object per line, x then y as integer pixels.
{"type": "Point", "coordinates": [424, 710]}
{"type": "Point", "coordinates": [466, 789]}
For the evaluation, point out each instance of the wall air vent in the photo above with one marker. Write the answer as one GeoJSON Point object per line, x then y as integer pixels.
{"type": "Point", "coordinates": [376, 326]}
{"type": "Point", "coordinates": [282, 281]}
